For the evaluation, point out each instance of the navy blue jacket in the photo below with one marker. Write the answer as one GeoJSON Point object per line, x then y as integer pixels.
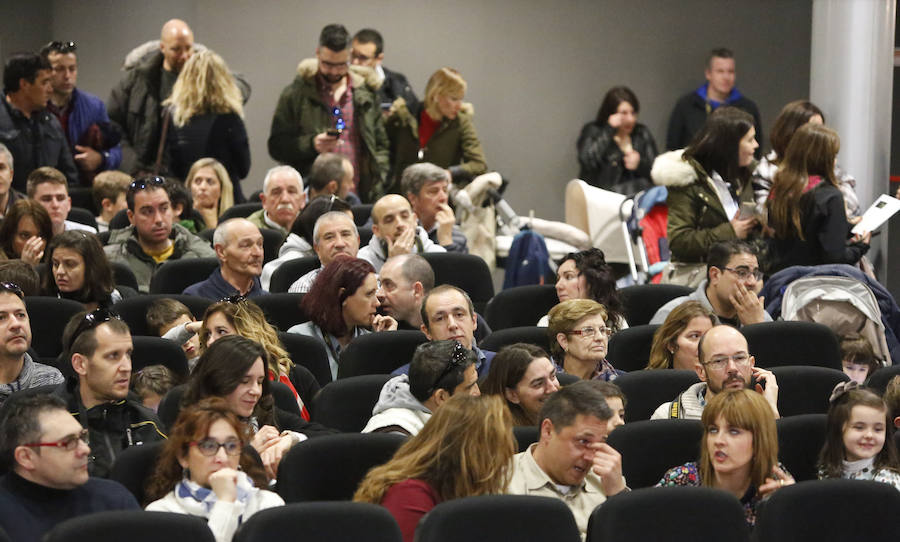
{"type": "Point", "coordinates": [215, 287]}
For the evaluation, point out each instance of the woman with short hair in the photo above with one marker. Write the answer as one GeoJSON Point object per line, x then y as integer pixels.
{"type": "Point", "coordinates": [579, 339]}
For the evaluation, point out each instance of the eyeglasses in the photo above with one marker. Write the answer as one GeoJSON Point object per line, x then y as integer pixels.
{"type": "Point", "coordinates": [210, 446]}
{"type": "Point", "coordinates": [12, 288]}
{"type": "Point", "coordinates": [90, 321]}
{"type": "Point", "coordinates": [68, 444]}
{"type": "Point", "coordinates": [589, 332]}
{"type": "Point", "coordinates": [458, 357]}
{"type": "Point", "coordinates": [146, 182]}
{"type": "Point", "coordinates": [339, 123]}
{"type": "Point", "coordinates": [743, 272]}
{"type": "Point", "coordinates": [741, 360]}
{"type": "Point", "coordinates": [63, 47]}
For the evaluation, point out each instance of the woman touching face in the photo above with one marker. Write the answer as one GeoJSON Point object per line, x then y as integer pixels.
{"type": "Point", "coordinates": [219, 449]}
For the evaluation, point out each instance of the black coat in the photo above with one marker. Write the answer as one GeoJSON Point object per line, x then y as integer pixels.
{"type": "Point", "coordinates": [396, 86]}
{"type": "Point", "coordinates": [601, 159]}
{"type": "Point", "coordinates": [222, 137]}
{"type": "Point", "coordinates": [689, 115]}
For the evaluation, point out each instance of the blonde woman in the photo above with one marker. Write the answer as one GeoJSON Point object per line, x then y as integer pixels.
{"type": "Point", "coordinates": [440, 131]}
{"type": "Point", "coordinates": [464, 450]}
{"type": "Point", "coordinates": [206, 119]}
{"type": "Point", "coordinates": [211, 190]}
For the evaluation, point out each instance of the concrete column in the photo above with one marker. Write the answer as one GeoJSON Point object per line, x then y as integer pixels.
{"type": "Point", "coordinates": [851, 80]}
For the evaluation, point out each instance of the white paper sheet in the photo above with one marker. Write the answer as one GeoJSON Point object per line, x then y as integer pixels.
{"type": "Point", "coordinates": [879, 213]}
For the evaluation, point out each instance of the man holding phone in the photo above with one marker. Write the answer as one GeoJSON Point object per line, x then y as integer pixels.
{"type": "Point", "coordinates": [332, 106]}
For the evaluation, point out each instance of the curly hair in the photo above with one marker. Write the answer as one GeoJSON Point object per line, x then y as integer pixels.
{"type": "Point", "coordinates": [336, 282]}
{"type": "Point", "coordinates": [205, 85]}
{"type": "Point", "coordinates": [250, 322]}
{"type": "Point", "coordinates": [464, 450]}
{"type": "Point", "coordinates": [565, 315]}
{"type": "Point", "coordinates": [601, 282]}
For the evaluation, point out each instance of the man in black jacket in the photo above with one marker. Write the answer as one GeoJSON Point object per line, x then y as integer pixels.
{"type": "Point", "coordinates": [368, 50]}
{"type": "Point", "coordinates": [99, 346]}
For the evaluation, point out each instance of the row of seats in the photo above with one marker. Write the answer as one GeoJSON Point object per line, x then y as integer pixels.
{"type": "Point", "coordinates": [812, 511]}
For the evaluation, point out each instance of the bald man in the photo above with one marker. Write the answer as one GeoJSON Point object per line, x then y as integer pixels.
{"type": "Point", "coordinates": [395, 231]}
{"type": "Point", "coordinates": [723, 363]}
{"type": "Point", "coordinates": [142, 90]}
{"type": "Point", "coordinates": [239, 248]}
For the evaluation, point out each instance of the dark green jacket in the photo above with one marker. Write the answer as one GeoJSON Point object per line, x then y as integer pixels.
{"type": "Point", "coordinates": [301, 115]}
{"type": "Point", "coordinates": [454, 145]}
{"type": "Point", "coordinates": [696, 216]}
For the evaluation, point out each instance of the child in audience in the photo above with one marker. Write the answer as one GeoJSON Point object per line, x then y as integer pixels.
{"type": "Point", "coordinates": [858, 358]}
{"type": "Point", "coordinates": [892, 400]}
{"type": "Point", "coordinates": [171, 319]}
{"type": "Point", "coordinates": [152, 383]}
{"type": "Point", "coordinates": [182, 205]}
{"type": "Point", "coordinates": [857, 441]}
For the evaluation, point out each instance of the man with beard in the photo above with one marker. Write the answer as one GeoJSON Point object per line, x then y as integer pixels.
{"type": "Point", "coordinates": [331, 107]}
{"type": "Point", "coordinates": [724, 363]}
{"type": "Point", "coordinates": [239, 248]}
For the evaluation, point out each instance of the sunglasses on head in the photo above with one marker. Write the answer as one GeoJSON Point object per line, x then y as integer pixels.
{"type": "Point", "coordinates": [12, 288]}
{"type": "Point", "coordinates": [63, 47]}
{"type": "Point", "coordinates": [90, 321]}
{"type": "Point", "coordinates": [143, 183]}
{"type": "Point", "coordinates": [457, 358]}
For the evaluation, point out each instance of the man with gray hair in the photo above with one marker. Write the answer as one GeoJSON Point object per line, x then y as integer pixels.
{"type": "Point", "coordinates": [332, 175]}
{"type": "Point", "coordinates": [8, 196]}
{"type": "Point", "coordinates": [282, 199]}
{"type": "Point", "coordinates": [239, 248]}
{"type": "Point", "coordinates": [404, 281]}
{"type": "Point", "coordinates": [334, 233]}
{"type": "Point", "coordinates": [427, 187]}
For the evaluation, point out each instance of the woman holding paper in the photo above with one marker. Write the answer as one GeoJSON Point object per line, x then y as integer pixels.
{"type": "Point", "coordinates": [806, 207]}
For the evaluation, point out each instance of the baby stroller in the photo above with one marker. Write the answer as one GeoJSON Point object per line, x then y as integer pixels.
{"type": "Point", "coordinates": [644, 219]}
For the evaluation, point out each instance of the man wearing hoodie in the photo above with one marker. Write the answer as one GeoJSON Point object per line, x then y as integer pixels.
{"type": "Point", "coordinates": [692, 109]}
{"type": "Point", "coordinates": [331, 107]}
{"type": "Point", "coordinates": [395, 231]}
{"type": "Point", "coordinates": [439, 369]}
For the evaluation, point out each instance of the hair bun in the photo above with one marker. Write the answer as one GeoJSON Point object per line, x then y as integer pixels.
{"type": "Point", "coordinates": [841, 389]}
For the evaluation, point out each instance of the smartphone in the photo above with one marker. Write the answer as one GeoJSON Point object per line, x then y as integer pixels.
{"type": "Point", "coordinates": [333, 132]}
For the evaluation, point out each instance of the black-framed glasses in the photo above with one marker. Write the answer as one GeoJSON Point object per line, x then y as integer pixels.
{"type": "Point", "coordinates": [143, 183]}
{"type": "Point", "coordinates": [743, 272]}
{"type": "Point", "coordinates": [68, 444]}
{"type": "Point", "coordinates": [210, 446]}
{"type": "Point", "coordinates": [63, 47]}
{"type": "Point", "coordinates": [339, 123]}
{"type": "Point", "coordinates": [90, 321]}
{"type": "Point", "coordinates": [458, 358]}
{"type": "Point", "coordinates": [589, 331]}
{"type": "Point", "coordinates": [12, 288]}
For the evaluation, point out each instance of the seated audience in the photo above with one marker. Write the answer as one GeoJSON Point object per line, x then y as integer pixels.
{"type": "Point", "coordinates": [8, 195]}
{"type": "Point", "coordinates": [80, 271]}
{"type": "Point", "coordinates": [730, 289]}
{"type": "Point", "coordinates": [211, 190]}
{"type": "Point", "coordinates": [233, 368]}
{"type": "Point", "coordinates": [438, 371]}
{"type": "Point", "coordinates": [109, 195]}
{"type": "Point", "coordinates": [239, 248]}
{"type": "Point", "coordinates": [709, 191]}
{"type": "Point", "coordinates": [18, 371]}
{"type": "Point", "coordinates": [586, 275]}
{"type": "Point", "coordinates": [204, 471]}
{"type": "Point", "coordinates": [206, 109]}
{"type": "Point", "coordinates": [404, 281]}
{"type": "Point", "coordinates": [724, 364]}
{"type": "Point", "coordinates": [463, 451]}
{"type": "Point", "coordinates": [448, 314]}
{"type": "Point", "coordinates": [299, 242]}
{"type": "Point", "coordinates": [738, 452]}
{"type": "Point", "coordinates": [21, 274]}
{"type": "Point", "coordinates": [332, 175]}
{"type": "Point", "coordinates": [806, 208]}
{"type": "Point", "coordinates": [525, 377]}
{"type": "Point", "coordinates": [858, 358]}
{"type": "Point", "coordinates": [892, 400]}
{"type": "Point", "coordinates": [342, 306]}
{"type": "Point", "coordinates": [615, 398]}
{"type": "Point", "coordinates": [282, 200]}
{"type": "Point", "coordinates": [615, 151]}
{"type": "Point", "coordinates": [440, 131]}
{"type": "Point", "coordinates": [46, 452]}
{"type": "Point", "coordinates": [25, 231]}
{"type": "Point", "coordinates": [241, 316]}
{"type": "Point", "coordinates": [857, 442]}
{"type": "Point", "coordinates": [579, 339]}
{"type": "Point", "coordinates": [571, 460]}
{"type": "Point", "coordinates": [152, 383]}
{"type": "Point", "coordinates": [394, 232]}
{"type": "Point", "coordinates": [99, 347]}
{"type": "Point", "coordinates": [172, 320]}
{"type": "Point", "coordinates": [183, 206]}
{"type": "Point", "coordinates": [152, 237]}
{"type": "Point", "coordinates": [49, 187]}
{"type": "Point", "coordinates": [675, 341]}
{"type": "Point", "coordinates": [427, 187]}
{"type": "Point", "coordinates": [793, 116]}
{"type": "Point", "coordinates": [334, 233]}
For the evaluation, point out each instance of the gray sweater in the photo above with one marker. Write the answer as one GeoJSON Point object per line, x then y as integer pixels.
{"type": "Point", "coordinates": [33, 374]}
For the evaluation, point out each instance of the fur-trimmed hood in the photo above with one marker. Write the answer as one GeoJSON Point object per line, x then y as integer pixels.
{"type": "Point", "coordinates": [401, 109]}
{"type": "Point", "coordinates": [359, 75]}
{"type": "Point", "coordinates": [671, 169]}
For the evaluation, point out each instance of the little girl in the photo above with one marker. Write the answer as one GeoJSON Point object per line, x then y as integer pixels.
{"type": "Point", "coordinates": [858, 358]}
{"type": "Point", "coordinates": [857, 441]}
